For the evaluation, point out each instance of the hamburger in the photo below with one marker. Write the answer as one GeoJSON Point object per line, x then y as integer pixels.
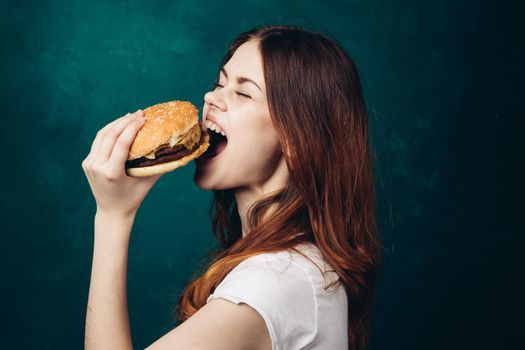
{"type": "Point", "coordinates": [170, 137]}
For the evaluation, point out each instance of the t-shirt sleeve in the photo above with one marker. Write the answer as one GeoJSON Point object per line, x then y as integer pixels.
{"type": "Point", "coordinates": [281, 291]}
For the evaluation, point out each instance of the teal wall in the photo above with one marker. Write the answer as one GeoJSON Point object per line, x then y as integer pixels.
{"type": "Point", "coordinates": [440, 83]}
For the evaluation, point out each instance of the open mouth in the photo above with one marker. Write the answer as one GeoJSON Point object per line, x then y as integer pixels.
{"type": "Point", "coordinates": [218, 143]}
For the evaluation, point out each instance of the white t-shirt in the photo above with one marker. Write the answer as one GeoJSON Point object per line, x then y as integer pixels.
{"type": "Point", "coordinates": [287, 290]}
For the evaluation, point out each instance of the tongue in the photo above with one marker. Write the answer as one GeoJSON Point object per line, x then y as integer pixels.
{"type": "Point", "coordinates": [215, 149]}
{"type": "Point", "coordinates": [220, 147]}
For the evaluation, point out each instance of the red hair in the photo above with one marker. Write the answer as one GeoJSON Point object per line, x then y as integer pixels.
{"type": "Point", "coordinates": [317, 106]}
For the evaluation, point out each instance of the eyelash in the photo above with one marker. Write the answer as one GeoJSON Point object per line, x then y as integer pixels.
{"type": "Point", "coordinates": [215, 85]}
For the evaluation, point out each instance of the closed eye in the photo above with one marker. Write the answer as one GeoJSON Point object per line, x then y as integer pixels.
{"type": "Point", "coordinates": [216, 85]}
{"type": "Point", "coordinates": [241, 94]}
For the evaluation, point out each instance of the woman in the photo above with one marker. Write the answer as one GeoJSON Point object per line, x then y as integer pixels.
{"type": "Point", "coordinates": [293, 206]}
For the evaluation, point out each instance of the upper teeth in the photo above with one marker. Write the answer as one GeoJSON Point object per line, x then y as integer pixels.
{"type": "Point", "coordinates": [211, 125]}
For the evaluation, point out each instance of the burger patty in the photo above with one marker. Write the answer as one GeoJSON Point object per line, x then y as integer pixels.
{"type": "Point", "coordinates": [163, 155]}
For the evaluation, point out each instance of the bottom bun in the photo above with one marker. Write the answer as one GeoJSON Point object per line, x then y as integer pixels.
{"type": "Point", "coordinates": [169, 166]}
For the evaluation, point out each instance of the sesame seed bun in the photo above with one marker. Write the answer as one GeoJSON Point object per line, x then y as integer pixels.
{"type": "Point", "coordinates": [170, 137]}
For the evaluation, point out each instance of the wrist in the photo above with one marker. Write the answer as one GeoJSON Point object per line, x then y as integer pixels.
{"type": "Point", "coordinates": [113, 227]}
{"type": "Point", "coordinates": [105, 215]}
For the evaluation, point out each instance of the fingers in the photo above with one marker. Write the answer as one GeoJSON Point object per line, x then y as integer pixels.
{"type": "Point", "coordinates": [99, 137]}
{"type": "Point", "coordinates": [110, 137]}
{"type": "Point", "coordinates": [122, 145]}
{"type": "Point", "coordinates": [101, 132]}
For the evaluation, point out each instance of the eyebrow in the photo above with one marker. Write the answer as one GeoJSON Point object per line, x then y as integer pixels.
{"type": "Point", "coordinates": [241, 80]}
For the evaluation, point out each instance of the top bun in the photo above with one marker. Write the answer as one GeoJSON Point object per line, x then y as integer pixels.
{"type": "Point", "coordinates": [164, 121]}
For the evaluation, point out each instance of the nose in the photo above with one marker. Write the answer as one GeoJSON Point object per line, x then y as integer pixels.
{"type": "Point", "coordinates": [214, 99]}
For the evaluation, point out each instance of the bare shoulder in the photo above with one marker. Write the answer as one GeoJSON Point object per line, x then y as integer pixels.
{"type": "Point", "coordinates": [220, 324]}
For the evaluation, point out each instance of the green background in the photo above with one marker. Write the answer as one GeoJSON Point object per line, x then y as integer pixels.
{"type": "Point", "coordinates": [441, 83]}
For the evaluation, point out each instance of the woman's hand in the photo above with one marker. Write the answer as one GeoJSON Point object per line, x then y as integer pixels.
{"type": "Point", "coordinates": [114, 191]}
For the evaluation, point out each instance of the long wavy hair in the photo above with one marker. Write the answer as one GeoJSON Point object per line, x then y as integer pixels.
{"type": "Point", "coordinates": [317, 106]}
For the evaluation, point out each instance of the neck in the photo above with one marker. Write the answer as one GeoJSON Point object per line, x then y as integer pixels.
{"type": "Point", "coordinates": [246, 196]}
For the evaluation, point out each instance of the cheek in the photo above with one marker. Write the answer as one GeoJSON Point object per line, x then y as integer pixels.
{"type": "Point", "coordinates": [255, 144]}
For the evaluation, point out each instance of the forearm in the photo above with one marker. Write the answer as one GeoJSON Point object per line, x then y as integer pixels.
{"type": "Point", "coordinates": [107, 320]}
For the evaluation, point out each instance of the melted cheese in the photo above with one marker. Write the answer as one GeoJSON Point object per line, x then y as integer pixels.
{"type": "Point", "coordinates": [150, 155]}
{"type": "Point", "coordinates": [191, 138]}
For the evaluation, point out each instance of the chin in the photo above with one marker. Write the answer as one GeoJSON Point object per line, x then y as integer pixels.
{"type": "Point", "coordinates": [208, 183]}
{"type": "Point", "coordinates": [201, 181]}
{"type": "Point", "coordinates": [199, 184]}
